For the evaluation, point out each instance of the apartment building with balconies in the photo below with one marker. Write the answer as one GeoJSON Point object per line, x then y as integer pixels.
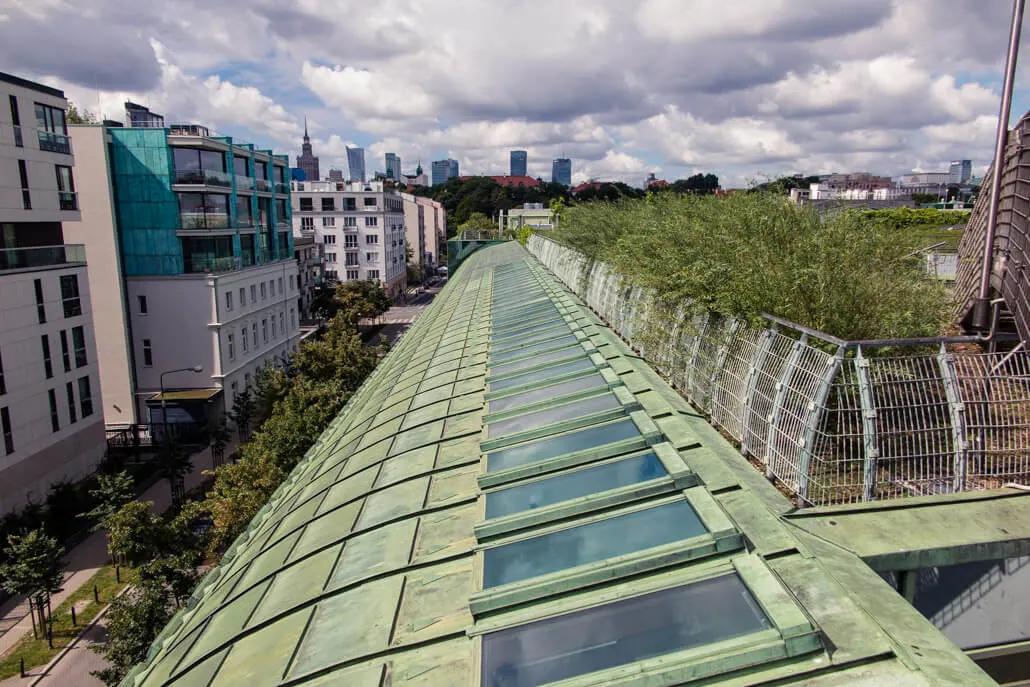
{"type": "Point", "coordinates": [310, 268]}
{"type": "Point", "coordinates": [194, 232]}
{"type": "Point", "coordinates": [51, 424]}
{"type": "Point", "coordinates": [361, 227]}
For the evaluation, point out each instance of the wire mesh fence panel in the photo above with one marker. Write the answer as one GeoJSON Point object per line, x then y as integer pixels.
{"type": "Point", "coordinates": [832, 427]}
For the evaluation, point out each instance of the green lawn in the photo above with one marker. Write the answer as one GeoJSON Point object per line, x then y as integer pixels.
{"type": "Point", "coordinates": [36, 652]}
{"type": "Point", "coordinates": [929, 237]}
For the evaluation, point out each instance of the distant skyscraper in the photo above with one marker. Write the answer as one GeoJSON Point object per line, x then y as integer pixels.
{"type": "Point", "coordinates": [517, 168]}
{"type": "Point", "coordinates": [961, 171]}
{"type": "Point", "coordinates": [561, 171]}
{"type": "Point", "coordinates": [444, 170]}
{"type": "Point", "coordinates": [393, 166]}
{"type": "Point", "coordinates": [356, 162]}
{"type": "Point", "coordinates": [335, 175]}
{"type": "Point", "coordinates": [306, 160]}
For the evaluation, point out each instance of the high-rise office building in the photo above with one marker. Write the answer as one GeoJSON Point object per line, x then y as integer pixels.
{"type": "Point", "coordinates": [334, 175]}
{"type": "Point", "coordinates": [307, 160]}
{"type": "Point", "coordinates": [192, 237]}
{"type": "Point", "coordinates": [393, 167]}
{"type": "Point", "coordinates": [356, 163]}
{"type": "Point", "coordinates": [960, 171]}
{"type": "Point", "coordinates": [517, 166]}
{"type": "Point", "coordinates": [561, 171]}
{"type": "Point", "coordinates": [444, 170]}
{"type": "Point", "coordinates": [51, 422]}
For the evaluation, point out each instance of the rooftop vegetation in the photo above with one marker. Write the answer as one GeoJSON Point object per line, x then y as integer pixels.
{"type": "Point", "coordinates": [849, 274]}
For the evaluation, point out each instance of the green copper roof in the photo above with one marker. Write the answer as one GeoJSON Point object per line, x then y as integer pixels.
{"type": "Point", "coordinates": [628, 542]}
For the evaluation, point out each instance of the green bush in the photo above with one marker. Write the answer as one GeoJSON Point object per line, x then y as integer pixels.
{"type": "Point", "coordinates": [745, 254]}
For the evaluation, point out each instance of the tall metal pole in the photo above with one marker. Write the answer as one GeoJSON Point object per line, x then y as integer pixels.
{"type": "Point", "coordinates": [982, 310]}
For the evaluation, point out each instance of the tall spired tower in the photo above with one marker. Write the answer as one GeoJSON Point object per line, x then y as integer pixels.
{"type": "Point", "coordinates": [306, 161]}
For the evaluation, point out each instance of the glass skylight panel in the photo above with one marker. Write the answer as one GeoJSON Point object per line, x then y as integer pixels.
{"type": "Point", "coordinates": [621, 632]}
{"type": "Point", "coordinates": [523, 328]}
{"type": "Point", "coordinates": [542, 449]}
{"type": "Point", "coordinates": [571, 485]}
{"type": "Point", "coordinates": [517, 343]}
{"type": "Point", "coordinates": [547, 329]}
{"type": "Point", "coordinates": [557, 342]}
{"type": "Point", "coordinates": [595, 541]}
{"type": "Point", "coordinates": [572, 351]}
{"type": "Point", "coordinates": [571, 386]}
{"type": "Point", "coordinates": [553, 415]}
{"type": "Point", "coordinates": [534, 311]}
{"type": "Point", "coordinates": [551, 372]}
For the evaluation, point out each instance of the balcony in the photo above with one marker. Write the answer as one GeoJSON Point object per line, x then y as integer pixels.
{"type": "Point", "coordinates": [203, 177]}
{"type": "Point", "coordinates": [42, 256]}
{"type": "Point", "coordinates": [193, 221]}
{"type": "Point", "coordinates": [281, 187]}
{"type": "Point", "coordinates": [263, 185]}
{"type": "Point", "coordinates": [68, 201]}
{"type": "Point", "coordinates": [54, 142]}
{"type": "Point", "coordinates": [244, 183]}
{"type": "Point", "coordinates": [207, 265]}
{"type": "Point", "coordinates": [284, 226]}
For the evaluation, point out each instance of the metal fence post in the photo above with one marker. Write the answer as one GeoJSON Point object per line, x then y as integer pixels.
{"type": "Point", "coordinates": [695, 352]}
{"type": "Point", "coordinates": [868, 403]}
{"type": "Point", "coordinates": [816, 409]}
{"type": "Point", "coordinates": [720, 362]}
{"type": "Point", "coordinates": [782, 385]}
{"type": "Point", "coordinates": [761, 353]}
{"type": "Point", "coordinates": [952, 392]}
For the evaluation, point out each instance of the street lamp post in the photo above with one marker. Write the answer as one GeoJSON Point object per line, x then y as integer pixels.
{"type": "Point", "coordinates": [176, 498]}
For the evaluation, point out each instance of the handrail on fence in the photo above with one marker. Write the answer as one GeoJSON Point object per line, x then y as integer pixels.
{"type": "Point", "coordinates": [834, 426]}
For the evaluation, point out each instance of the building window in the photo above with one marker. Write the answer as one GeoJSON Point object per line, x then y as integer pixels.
{"type": "Point", "coordinates": [263, 294]}
{"type": "Point", "coordinates": [352, 274]}
{"type": "Point", "coordinates": [243, 296]}
{"type": "Point", "coordinates": [148, 354]}
{"type": "Point", "coordinates": [272, 318]}
{"type": "Point", "coordinates": [47, 366]}
{"type": "Point", "coordinates": [5, 423]}
{"type": "Point", "coordinates": [280, 286]}
{"type": "Point", "coordinates": [350, 241]}
{"type": "Point", "coordinates": [253, 294]}
{"type": "Point", "coordinates": [228, 301]}
{"type": "Point", "coordinates": [40, 306]}
{"type": "Point", "coordinates": [330, 257]}
{"type": "Point", "coordinates": [370, 202]}
{"type": "Point", "coordinates": [264, 330]}
{"type": "Point", "coordinates": [70, 393]}
{"type": "Point", "coordinates": [235, 390]}
{"type": "Point", "coordinates": [243, 338]}
{"type": "Point", "coordinates": [293, 320]}
{"type": "Point", "coordinates": [66, 188]}
{"type": "Point", "coordinates": [70, 295]}
{"type": "Point", "coordinates": [307, 222]}
{"type": "Point", "coordinates": [232, 347]}
{"type": "Point", "coordinates": [329, 239]}
{"type": "Point", "coordinates": [142, 302]}
{"type": "Point", "coordinates": [55, 420]}
{"type": "Point", "coordinates": [26, 196]}
{"type": "Point", "coordinates": [371, 221]}
{"type": "Point", "coordinates": [373, 274]}
{"type": "Point", "coordinates": [350, 221]}
{"type": "Point", "coordinates": [306, 204]}
{"type": "Point", "coordinates": [3, 381]}
{"type": "Point", "coordinates": [371, 238]}
{"type": "Point", "coordinates": [328, 205]}
{"type": "Point", "coordinates": [79, 345]}
{"type": "Point", "coordinates": [85, 397]}
{"type": "Point", "coordinates": [371, 257]}
{"type": "Point", "coordinates": [271, 288]}
{"type": "Point", "coordinates": [328, 221]}
{"type": "Point", "coordinates": [65, 355]}
{"type": "Point", "coordinates": [281, 325]}
{"type": "Point", "coordinates": [15, 120]}
{"type": "Point", "coordinates": [246, 381]}
{"type": "Point", "coordinates": [253, 330]}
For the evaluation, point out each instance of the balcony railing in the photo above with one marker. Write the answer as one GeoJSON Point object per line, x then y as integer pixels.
{"type": "Point", "coordinates": [263, 185]}
{"type": "Point", "coordinates": [281, 187]}
{"type": "Point", "coordinates": [202, 264]}
{"type": "Point", "coordinates": [284, 226]}
{"type": "Point", "coordinates": [203, 177]}
{"type": "Point", "coordinates": [244, 183]}
{"type": "Point", "coordinates": [42, 256]}
{"type": "Point", "coordinates": [53, 142]}
{"type": "Point", "coordinates": [191, 221]}
{"type": "Point", "coordinates": [68, 201]}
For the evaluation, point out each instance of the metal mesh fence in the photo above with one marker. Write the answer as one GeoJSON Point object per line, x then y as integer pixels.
{"type": "Point", "coordinates": [829, 422]}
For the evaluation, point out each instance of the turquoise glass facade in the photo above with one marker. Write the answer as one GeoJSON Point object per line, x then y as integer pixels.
{"type": "Point", "coordinates": [150, 228]}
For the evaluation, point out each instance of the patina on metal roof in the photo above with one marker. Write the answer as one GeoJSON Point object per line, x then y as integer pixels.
{"type": "Point", "coordinates": [628, 543]}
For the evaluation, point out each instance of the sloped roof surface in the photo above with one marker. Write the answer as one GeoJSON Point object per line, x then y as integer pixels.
{"type": "Point", "coordinates": [513, 498]}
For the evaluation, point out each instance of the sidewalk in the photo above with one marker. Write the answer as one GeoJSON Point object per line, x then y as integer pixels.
{"type": "Point", "coordinates": [87, 558]}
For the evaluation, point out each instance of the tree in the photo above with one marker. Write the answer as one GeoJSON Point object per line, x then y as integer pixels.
{"type": "Point", "coordinates": [112, 492]}
{"type": "Point", "coordinates": [218, 430]}
{"type": "Point", "coordinates": [33, 568]}
{"type": "Point", "coordinates": [73, 115]}
{"type": "Point", "coordinates": [360, 299]}
{"type": "Point", "coordinates": [136, 534]}
{"type": "Point", "coordinates": [477, 225]}
{"type": "Point", "coordinates": [176, 463]}
{"type": "Point", "coordinates": [133, 623]}
{"type": "Point", "coordinates": [924, 198]}
{"type": "Point", "coordinates": [241, 413]}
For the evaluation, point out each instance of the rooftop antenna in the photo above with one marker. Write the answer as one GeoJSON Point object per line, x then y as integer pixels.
{"type": "Point", "coordinates": [981, 310]}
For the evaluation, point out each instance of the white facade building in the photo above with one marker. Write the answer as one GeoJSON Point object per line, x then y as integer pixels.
{"type": "Point", "coordinates": [423, 218]}
{"type": "Point", "coordinates": [361, 227]}
{"type": "Point", "coordinates": [51, 423]}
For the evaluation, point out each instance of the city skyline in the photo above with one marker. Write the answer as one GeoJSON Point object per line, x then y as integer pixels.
{"type": "Point", "coordinates": [854, 86]}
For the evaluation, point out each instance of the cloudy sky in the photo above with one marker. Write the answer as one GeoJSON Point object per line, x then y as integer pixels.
{"type": "Point", "coordinates": [746, 88]}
